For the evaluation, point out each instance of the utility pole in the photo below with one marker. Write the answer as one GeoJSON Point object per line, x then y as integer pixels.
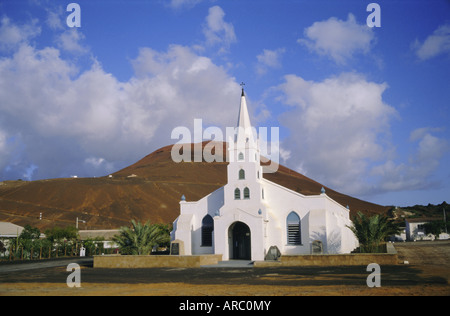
{"type": "Point", "coordinates": [80, 221]}
{"type": "Point", "coordinates": [445, 220]}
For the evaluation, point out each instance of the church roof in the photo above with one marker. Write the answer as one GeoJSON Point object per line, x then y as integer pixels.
{"type": "Point", "coordinates": [10, 230]}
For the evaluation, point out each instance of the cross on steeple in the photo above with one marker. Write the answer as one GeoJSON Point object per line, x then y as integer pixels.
{"type": "Point", "coordinates": [242, 85]}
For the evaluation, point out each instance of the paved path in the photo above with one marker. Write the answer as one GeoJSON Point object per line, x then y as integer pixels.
{"type": "Point", "coordinates": [231, 264]}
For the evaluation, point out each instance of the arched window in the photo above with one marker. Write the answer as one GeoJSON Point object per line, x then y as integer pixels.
{"type": "Point", "coordinates": [207, 231]}
{"type": "Point", "coordinates": [237, 194]}
{"type": "Point", "coordinates": [246, 193]}
{"type": "Point", "coordinates": [293, 229]}
{"type": "Point", "coordinates": [241, 156]}
{"type": "Point", "coordinates": [241, 174]}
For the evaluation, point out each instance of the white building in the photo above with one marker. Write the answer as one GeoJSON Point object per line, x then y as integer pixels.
{"type": "Point", "coordinates": [10, 230]}
{"type": "Point", "coordinates": [248, 215]}
{"type": "Point", "coordinates": [415, 230]}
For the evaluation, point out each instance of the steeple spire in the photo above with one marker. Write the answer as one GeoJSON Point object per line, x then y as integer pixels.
{"type": "Point", "coordinates": [244, 118]}
{"type": "Point", "coordinates": [245, 133]}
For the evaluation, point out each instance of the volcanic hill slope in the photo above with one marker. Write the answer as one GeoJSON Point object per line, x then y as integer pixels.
{"type": "Point", "coordinates": [147, 190]}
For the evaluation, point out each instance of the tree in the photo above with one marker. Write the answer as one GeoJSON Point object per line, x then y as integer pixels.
{"type": "Point", "coordinates": [2, 248]}
{"type": "Point", "coordinates": [434, 227]}
{"type": "Point", "coordinates": [165, 229]}
{"type": "Point", "coordinates": [140, 238]}
{"type": "Point", "coordinates": [30, 233]}
{"type": "Point", "coordinates": [371, 232]}
{"type": "Point", "coordinates": [27, 241]}
{"type": "Point", "coordinates": [58, 234]}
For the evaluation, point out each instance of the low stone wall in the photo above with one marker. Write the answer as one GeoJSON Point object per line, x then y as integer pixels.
{"type": "Point", "coordinates": [118, 261]}
{"type": "Point", "coordinates": [339, 260]}
{"type": "Point", "coordinates": [353, 259]}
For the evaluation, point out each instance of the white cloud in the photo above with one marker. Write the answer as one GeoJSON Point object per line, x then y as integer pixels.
{"type": "Point", "coordinates": [415, 174]}
{"type": "Point", "coordinates": [94, 161]}
{"type": "Point", "coordinates": [54, 18]}
{"type": "Point", "coordinates": [69, 41]}
{"type": "Point", "coordinates": [98, 163]}
{"type": "Point", "coordinates": [339, 135]}
{"type": "Point", "coordinates": [436, 44]}
{"type": "Point", "coordinates": [12, 35]}
{"type": "Point", "coordinates": [217, 31]}
{"type": "Point", "coordinates": [419, 133]}
{"type": "Point", "coordinates": [430, 150]}
{"type": "Point", "coordinates": [269, 59]}
{"type": "Point", "coordinates": [338, 39]}
{"type": "Point", "coordinates": [62, 119]}
{"type": "Point", "coordinates": [186, 83]}
{"type": "Point", "coordinates": [335, 127]}
{"type": "Point", "coordinates": [177, 4]}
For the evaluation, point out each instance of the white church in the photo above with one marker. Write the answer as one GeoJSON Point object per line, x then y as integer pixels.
{"type": "Point", "coordinates": [250, 214]}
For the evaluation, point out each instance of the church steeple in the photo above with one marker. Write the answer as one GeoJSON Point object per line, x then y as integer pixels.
{"type": "Point", "coordinates": [245, 135]}
{"type": "Point", "coordinates": [243, 118]}
{"type": "Point", "coordinates": [244, 172]}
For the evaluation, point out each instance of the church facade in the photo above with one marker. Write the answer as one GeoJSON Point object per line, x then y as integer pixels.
{"type": "Point", "coordinates": [250, 214]}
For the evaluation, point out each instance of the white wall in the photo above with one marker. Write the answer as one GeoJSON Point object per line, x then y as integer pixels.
{"type": "Point", "coordinates": [321, 218]}
{"type": "Point", "coordinates": [188, 226]}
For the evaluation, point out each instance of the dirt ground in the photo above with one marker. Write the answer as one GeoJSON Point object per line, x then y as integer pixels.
{"type": "Point", "coordinates": [428, 273]}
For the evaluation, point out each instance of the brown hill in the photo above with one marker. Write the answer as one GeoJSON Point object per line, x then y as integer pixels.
{"type": "Point", "coordinates": [147, 190]}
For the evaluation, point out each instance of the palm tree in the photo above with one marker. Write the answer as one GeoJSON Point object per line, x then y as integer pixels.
{"type": "Point", "coordinates": [371, 232]}
{"type": "Point", "coordinates": [140, 238]}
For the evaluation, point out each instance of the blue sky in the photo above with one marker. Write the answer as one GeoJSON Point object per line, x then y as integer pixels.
{"type": "Point", "coordinates": [362, 110]}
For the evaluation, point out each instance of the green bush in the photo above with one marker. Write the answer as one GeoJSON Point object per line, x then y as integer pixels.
{"type": "Point", "coordinates": [140, 239]}
{"type": "Point", "coordinates": [372, 232]}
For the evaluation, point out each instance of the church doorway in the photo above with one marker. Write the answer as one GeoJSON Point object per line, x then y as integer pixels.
{"type": "Point", "coordinates": [240, 238]}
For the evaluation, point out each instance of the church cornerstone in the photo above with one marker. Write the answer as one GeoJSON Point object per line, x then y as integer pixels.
{"type": "Point", "coordinates": [177, 247]}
